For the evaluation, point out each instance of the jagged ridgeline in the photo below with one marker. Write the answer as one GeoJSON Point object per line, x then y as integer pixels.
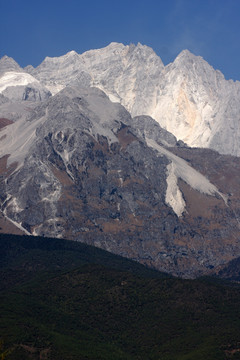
{"type": "Point", "coordinates": [187, 97]}
{"type": "Point", "coordinates": [98, 148]}
{"type": "Point", "coordinates": [65, 300]}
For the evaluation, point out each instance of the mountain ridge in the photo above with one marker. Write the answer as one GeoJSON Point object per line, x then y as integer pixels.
{"type": "Point", "coordinates": [85, 173]}
{"type": "Point", "coordinates": [187, 97]}
{"type": "Point", "coordinates": [78, 165]}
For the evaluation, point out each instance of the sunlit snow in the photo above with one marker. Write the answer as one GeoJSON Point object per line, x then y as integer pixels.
{"type": "Point", "coordinates": [174, 196]}
{"type": "Point", "coordinates": [181, 169]}
{"type": "Point", "coordinates": [13, 78]}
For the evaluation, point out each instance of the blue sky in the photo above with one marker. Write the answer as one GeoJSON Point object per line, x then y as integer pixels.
{"type": "Point", "coordinates": [32, 30]}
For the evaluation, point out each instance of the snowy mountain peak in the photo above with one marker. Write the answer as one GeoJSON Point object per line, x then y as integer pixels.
{"type": "Point", "coordinates": [195, 67]}
{"type": "Point", "coordinates": [29, 69]}
{"type": "Point", "coordinates": [7, 58]}
{"type": "Point", "coordinates": [8, 64]}
{"type": "Point", "coordinates": [187, 61]}
{"type": "Point", "coordinates": [186, 54]}
{"type": "Point", "coordinates": [77, 165]}
{"type": "Point", "coordinates": [112, 45]}
{"type": "Point", "coordinates": [58, 59]}
{"type": "Point", "coordinates": [187, 97]}
{"type": "Point", "coordinates": [72, 53]}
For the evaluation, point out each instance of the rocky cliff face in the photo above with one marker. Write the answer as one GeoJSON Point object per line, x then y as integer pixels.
{"type": "Point", "coordinates": [198, 105]}
{"type": "Point", "coordinates": [187, 97]}
{"type": "Point", "coordinates": [8, 64]}
{"type": "Point", "coordinates": [78, 166]}
{"type": "Point", "coordinates": [92, 163]}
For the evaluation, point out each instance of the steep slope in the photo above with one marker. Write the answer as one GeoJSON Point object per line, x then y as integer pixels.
{"type": "Point", "coordinates": [178, 168]}
{"type": "Point", "coordinates": [58, 72]}
{"type": "Point", "coordinates": [188, 97]}
{"type": "Point", "coordinates": [22, 86]}
{"type": "Point", "coordinates": [8, 64]}
{"type": "Point", "coordinates": [77, 168]}
{"type": "Point", "coordinates": [126, 73]}
{"type": "Point", "coordinates": [198, 105]}
{"type": "Point", "coordinates": [230, 271]}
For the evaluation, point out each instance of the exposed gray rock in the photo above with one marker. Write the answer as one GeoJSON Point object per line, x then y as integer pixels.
{"type": "Point", "coordinates": [187, 97]}
{"type": "Point", "coordinates": [31, 92]}
{"type": "Point", "coordinates": [3, 99]}
{"type": "Point", "coordinates": [147, 127]}
{"type": "Point", "coordinates": [77, 165]}
{"type": "Point", "coordinates": [8, 64]}
{"type": "Point", "coordinates": [29, 69]}
{"type": "Point", "coordinates": [88, 175]}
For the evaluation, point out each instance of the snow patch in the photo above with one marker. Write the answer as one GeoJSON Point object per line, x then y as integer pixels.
{"type": "Point", "coordinates": [174, 196]}
{"type": "Point", "coordinates": [54, 88]}
{"type": "Point", "coordinates": [184, 171]}
{"type": "Point", "coordinates": [13, 78]}
{"type": "Point", "coordinates": [120, 178]}
{"type": "Point", "coordinates": [114, 98]}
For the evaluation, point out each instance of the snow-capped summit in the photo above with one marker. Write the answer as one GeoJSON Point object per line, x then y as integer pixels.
{"type": "Point", "coordinates": [79, 166]}
{"type": "Point", "coordinates": [117, 69]}
{"type": "Point", "coordinates": [194, 103]}
{"type": "Point", "coordinates": [127, 74]}
{"type": "Point", "coordinates": [187, 97]}
{"type": "Point", "coordinates": [8, 64]}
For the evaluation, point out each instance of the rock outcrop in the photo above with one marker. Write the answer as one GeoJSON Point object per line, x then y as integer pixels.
{"type": "Point", "coordinates": [87, 171]}
{"type": "Point", "coordinates": [187, 97]}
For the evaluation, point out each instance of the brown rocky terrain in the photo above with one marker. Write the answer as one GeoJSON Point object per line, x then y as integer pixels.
{"type": "Point", "coordinates": [4, 122]}
{"type": "Point", "coordinates": [90, 176]}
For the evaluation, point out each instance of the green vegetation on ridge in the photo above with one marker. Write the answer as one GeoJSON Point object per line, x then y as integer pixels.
{"type": "Point", "coordinates": [65, 300]}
